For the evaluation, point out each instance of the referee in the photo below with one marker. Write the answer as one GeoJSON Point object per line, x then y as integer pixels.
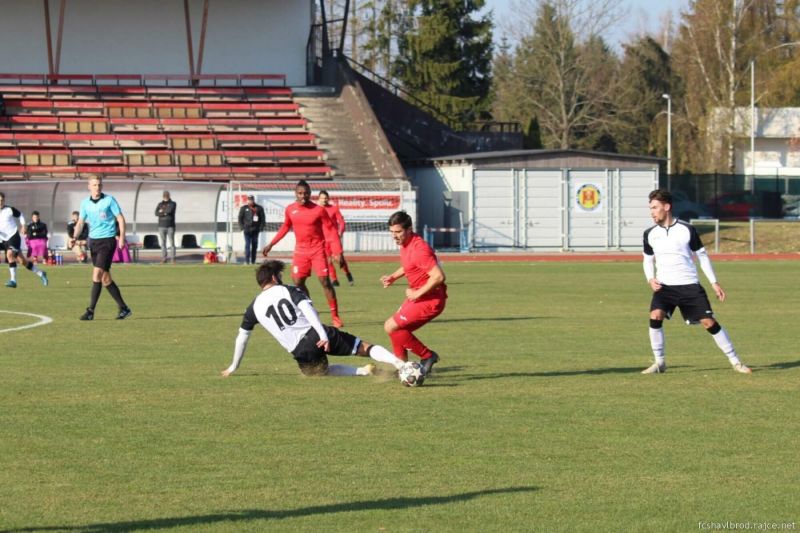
{"type": "Point", "coordinates": [101, 211]}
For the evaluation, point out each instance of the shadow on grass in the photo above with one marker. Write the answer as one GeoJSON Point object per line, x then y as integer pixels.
{"type": "Point", "coordinates": [492, 319]}
{"type": "Point", "coordinates": [779, 366]}
{"type": "Point", "coordinates": [181, 317]}
{"type": "Point", "coordinates": [266, 514]}
{"type": "Point", "coordinates": [559, 373]}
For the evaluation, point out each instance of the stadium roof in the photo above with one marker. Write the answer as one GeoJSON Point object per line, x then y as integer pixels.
{"type": "Point", "coordinates": [544, 154]}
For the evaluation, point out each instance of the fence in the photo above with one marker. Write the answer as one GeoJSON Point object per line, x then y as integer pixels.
{"type": "Point", "coordinates": [208, 211]}
{"type": "Point", "coordinates": [734, 196]}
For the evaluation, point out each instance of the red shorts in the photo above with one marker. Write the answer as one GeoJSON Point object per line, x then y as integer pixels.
{"type": "Point", "coordinates": [413, 315]}
{"type": "Point", "coordinates": [302, 264]}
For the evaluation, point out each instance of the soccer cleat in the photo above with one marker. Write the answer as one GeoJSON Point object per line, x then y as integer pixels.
{"type": "Point", "coordinates": [367, 370]}
{"type": "Point", "coordinates": [337, 322]}
{"type": "Point", "coordinates": [11, 284]}
{"type": "Point", "coordinates": [655, 368]}
{"type": "Point", "coordinates": [742, 368]}
{"type": "Point", "coordinates": [88, 315]}
{"type": "Point", "coordinates": [350, 279]}
{"type": "Point", "coordinates": [124, 313]}
{"type": "Point", "coordinates": [335, 283]}
{"type": "Point", "coordinates": [427, 364]}
{"type": "Point", "coordinates": [44, 279]}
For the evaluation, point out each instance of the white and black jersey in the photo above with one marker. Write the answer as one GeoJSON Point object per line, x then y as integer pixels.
{"type": "Point", "coordinates": [282, 310]}
{"type": "Point", "coordinates": [671, 249]}
{"type": "Point", "coordinates": [10, 219]}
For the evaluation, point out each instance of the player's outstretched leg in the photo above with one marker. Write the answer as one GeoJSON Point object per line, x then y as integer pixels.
{"type": "Point", "coordinates": [724, 343]}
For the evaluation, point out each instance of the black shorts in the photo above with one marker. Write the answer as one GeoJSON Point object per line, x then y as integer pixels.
{"type": "Point", "coordinates": [313, 361]}
{"type": "Point", "coordinates": [690, 299]}
{"type": "Point", "coordinates": [14, 243]}
{"type": "Point", "coordinates": [103, 252]}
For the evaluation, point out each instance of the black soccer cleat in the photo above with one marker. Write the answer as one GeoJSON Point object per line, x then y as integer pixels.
{"type": "Point", "coordinates": [350, 279]}
{"type": "Point", "coordinates": [124, 313]}
{"type": "Point", "coordinates": [427, 364]}
{"type": "Point", "coordinates": [88, 315]}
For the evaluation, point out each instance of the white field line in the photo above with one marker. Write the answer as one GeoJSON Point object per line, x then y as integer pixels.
{"type": "Point", "coordinates": [43, 320]}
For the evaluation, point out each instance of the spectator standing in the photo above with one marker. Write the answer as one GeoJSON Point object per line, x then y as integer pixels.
{"type": "Point", "coordinates": [165, 211]}
{"type": "Point", "coordinates": [102, 211]}
{"type": "Point", "coordinates": [79, 249]}
{"type": "Point", "coordinates": [37, 238]}
{"type": "Point", "coordinates": [251, 222]}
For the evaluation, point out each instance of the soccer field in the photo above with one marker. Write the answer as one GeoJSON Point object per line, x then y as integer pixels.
{"type": "Point", "coordinates": [536, 418]}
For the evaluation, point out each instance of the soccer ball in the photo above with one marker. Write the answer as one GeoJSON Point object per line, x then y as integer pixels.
{"type": "Point", "coordinates": [411, 374]}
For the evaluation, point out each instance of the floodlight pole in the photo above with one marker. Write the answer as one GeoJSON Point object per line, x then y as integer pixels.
{"type": "Point", "coordinates": [753, 121]}
{"type": "Point", "coordinates": [669, 139]}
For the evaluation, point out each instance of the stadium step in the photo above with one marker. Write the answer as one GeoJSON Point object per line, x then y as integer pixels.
{"type": "Point", "coordinates": [329, 120]}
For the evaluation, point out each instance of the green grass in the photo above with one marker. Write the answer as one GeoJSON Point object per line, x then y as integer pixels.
{"type": "Point", "coordinates": [537, 417]}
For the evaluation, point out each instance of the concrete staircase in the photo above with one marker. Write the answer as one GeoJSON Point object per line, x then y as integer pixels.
{"type": "Point", "coordinates": [333, 126]}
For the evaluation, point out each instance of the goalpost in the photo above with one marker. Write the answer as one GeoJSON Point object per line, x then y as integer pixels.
{"type": "Point", "coordinates": [365, 205]}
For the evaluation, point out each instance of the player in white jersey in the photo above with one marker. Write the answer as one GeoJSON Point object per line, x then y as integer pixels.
{"type": "Point", "coordinates": [289, 316]}
{"type": "Point", "coordinates": [11, 223]}
{"type": "Point", "coordinates": [668, 249]}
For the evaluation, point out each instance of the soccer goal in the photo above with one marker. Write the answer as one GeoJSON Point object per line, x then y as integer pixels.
{"type": "Point", "coordinates": [365, 205]}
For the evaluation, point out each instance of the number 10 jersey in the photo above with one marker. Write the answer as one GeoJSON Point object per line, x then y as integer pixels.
{"type": "Point", "coordinates": [277, 309]}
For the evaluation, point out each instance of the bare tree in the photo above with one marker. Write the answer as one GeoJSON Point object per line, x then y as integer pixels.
{"type": "Point", "coordinates": [564, 70]}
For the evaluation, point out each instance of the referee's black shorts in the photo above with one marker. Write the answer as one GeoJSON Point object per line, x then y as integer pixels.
{"type": "Point", "coordinates": [103, 252]}
{"type": "Point", "coordinates": [692, 300]}
{"type": "Point", "coordinates": [312, 360]}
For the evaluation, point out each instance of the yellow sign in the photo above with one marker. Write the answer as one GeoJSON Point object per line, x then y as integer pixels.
{"type": "Point", "coordinates": [588, 197]}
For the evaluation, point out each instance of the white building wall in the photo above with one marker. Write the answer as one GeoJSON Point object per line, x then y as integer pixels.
{"type": "Point", "coordinates": [149, 37]}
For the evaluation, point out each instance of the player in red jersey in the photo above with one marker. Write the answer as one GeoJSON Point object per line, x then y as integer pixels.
{"type": "Point", "coordinates": [312, 228]}
{"type": "Point", "coordinates": [324, 200]}
{"type": "Point", "coordinates": [426, 294]}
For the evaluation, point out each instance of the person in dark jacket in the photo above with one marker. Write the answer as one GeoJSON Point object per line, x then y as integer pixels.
{"type": "Point", "coordinates": [80, 240]}
{"type": "Point", "coordinates": [165, 211]}
{"type": "Point", "coordinates": [36, 237]}
{"type": "Point", "coordinates": [251, 222]}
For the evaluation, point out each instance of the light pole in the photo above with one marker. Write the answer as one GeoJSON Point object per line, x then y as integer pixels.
{"type": "Point", "coordinates": [669, 139]}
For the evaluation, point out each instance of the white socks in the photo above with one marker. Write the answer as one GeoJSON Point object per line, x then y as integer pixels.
{"type": "Point", "coordinates": [382, 355]}
{"type": "Point", "coordinates": [725, 344]}
{"type": "Point", "coordinates": [657, 344]}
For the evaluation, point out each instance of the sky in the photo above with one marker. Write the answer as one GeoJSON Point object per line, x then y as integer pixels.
{"type": "Point", "coordinates": [642, 15]}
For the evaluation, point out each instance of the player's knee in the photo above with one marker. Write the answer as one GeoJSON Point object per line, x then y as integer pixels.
{"type": "Point", "coordinates": [390, 326]}
{"type": "Point", "coordinates": [714, 328]}
{"type": "Point", "coordinates": [656, 324]}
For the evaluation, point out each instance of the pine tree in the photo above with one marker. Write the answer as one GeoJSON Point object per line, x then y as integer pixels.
{"type": "Point", "coordinates": [444, 59]}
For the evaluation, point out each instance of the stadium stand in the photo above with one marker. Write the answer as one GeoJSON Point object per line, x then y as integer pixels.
{"type": "Point", "coordinates": [203, 127]}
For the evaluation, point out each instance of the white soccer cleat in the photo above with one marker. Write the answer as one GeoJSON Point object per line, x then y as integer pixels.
{"type": "Point", "coordinates": [742, 368]}
{"type": "Point", "coordinates": [366, 370]}
{"type": "Point", "coordinates": [655, 368]}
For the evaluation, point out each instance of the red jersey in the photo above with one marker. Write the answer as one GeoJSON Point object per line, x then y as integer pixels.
{"type": "Point", "coordinates": [312, 227]}
{"type": "Point", "coordinates": [417, 259]}
{"type": "Point", "coordinates": [336, 217]}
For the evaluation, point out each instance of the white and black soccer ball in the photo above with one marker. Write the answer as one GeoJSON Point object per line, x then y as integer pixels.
{"type": "Point", "coordinates": [411, 374]}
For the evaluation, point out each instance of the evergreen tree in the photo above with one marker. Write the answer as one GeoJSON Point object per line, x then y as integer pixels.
{"type": "Point", "coordinates": [647, 75]}
{"type": "Point", "coordinates": [444, 59]}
